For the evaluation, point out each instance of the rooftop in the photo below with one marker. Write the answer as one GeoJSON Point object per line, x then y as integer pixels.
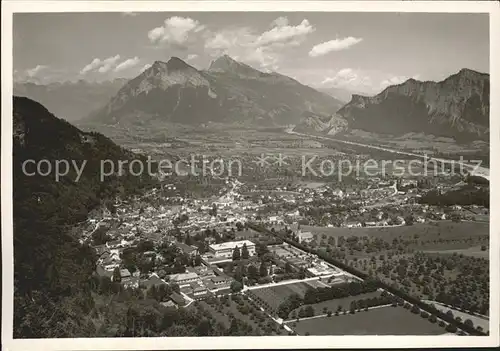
{"type": "Point", "coordinates": [231, 245]}
{"type": "Point", "coordinates": [183, 276]}
{"type": "Point", "coordinates": [124, 273]}
{"type": "Point", "coordinates": [153, 280]}
{"type": "Point", "coordinates": [178, 299]}
{"type": "Point", "coordinates": [186, 248]}
{"type": "Point", "coordinates": [220, 279]}
{"type": "Point", "coordinates": [305, 234]}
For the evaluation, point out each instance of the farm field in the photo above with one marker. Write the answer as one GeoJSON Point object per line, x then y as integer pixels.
{"type": "Point", "coordinates": [474, 251]}
{"type": "Point", "coordinates": [274, 296]}
{"type": "Point", "coordinates": [225, 309]}
{"type": "Point", "coordinates": [442, 229]}
{"type": "Point", "coordinates": [477, 320]}
{"type": "Point", "coordinates": [368, 243]}
{"type": "Point", "coordinates": [333, 305]}
{"type": "Point", "coordinates": [377, 321]}
{"type": "Point", "coordinates": [247, 234]}
{"type": "Point", "coordinates": [458, 280]}
{"type": "Point", "coordinates": [317, 284]}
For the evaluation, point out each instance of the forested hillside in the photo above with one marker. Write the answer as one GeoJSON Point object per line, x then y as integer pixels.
{"type": "Point", "coordinates": [52, 270]}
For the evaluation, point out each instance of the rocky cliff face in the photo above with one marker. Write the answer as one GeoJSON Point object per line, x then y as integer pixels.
{"type": "Point", "coordinates": [330, 125]}
{"type": "Point", "coordinates": [229, 91]}
{"type": "Point", "coordinates": [457, 107]}
{"type": "Point", "coordinates": [166, 89]}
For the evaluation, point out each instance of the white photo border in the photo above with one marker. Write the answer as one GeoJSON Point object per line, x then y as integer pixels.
{"type": "Point", "coordinates": [260, 342]}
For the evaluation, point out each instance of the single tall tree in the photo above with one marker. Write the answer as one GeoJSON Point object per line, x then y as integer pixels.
{"type": "Point", "coordinates": [197, 260]}
{"type": "Point", "coordinates": [117, 278]}
{"type": "Point", "coordinates": [236, 254]}
{"type": "Point", "coordinates": [263, 270]}
{"type": "Point", "coordinates": [253, 273]}
{"type": "Point", "coordinates": [244, 252]}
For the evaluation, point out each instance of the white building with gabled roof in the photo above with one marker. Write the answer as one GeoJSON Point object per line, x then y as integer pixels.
{"type": "Point", "coordinates": [183, 279]}
{"type": "Point", "coordinates": [226, 249]}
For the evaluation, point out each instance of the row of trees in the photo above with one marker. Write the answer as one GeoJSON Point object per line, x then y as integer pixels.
{"type": "Point", "coordinates": [243, 254]}
{"type": "Point", "coordinates": [391, 288]}
{"type": "Point", "coordinates": [315, 295]}
{"type": "Point", "coordinates": [224, 305]}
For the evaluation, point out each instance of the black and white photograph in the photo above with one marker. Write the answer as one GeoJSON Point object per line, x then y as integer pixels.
{"type": "Point", "coordinates": [247, 174]}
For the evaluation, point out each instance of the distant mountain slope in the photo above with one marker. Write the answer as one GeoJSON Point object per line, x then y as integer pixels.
{"type": "Point", "coordinates": [71, 100]}
{"type": "Point", "coordinates": [39, 135]}
{"type": "Point", "coordinates": [319, 124]}
{"type": "Point", "coordinates": [456, 107]}
{"type": "Point", "coordinates": [228, 92]}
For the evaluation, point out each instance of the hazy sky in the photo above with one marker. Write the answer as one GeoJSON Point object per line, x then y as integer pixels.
{"type": "Point", "coordinates": [360, 51]}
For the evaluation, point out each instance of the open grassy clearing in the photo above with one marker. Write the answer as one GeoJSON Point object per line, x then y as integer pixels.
{"type": "Point", "coordinates": [453, 270]}
{"type": "Point", "coordinates": [458, 280]}
{"type": "Point", "coordinates": [275, 295]}
{"type": "Point", "coordinates": [480, 321]}
{"type": "Point", "coordinates": [247, 234]}
{"type": "Point", "coordinates": [474, 251]}
{"type": "Point", "coordinates": [317, 284]}
{"type": "Point", "coordinates": [419, 142]}
{"type": "Point", "coordinates": [366, 243]}
{"type": "Point", "coordinates": [444, 229]}
{"type": "Point", "coordinates": [378, 321]}
{"type": "Point", "coordinates": [333, 305]}
{"type": "Point", "coordinates": [224, 310]}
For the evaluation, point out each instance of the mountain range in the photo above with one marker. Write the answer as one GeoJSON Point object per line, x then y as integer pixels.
{"type": "Point", "coordinates": [71, 100]}
{"type": "Point", "coordinates": [227, 92]}
{"type": "Point", "coordinates": [456, 107]}
{"type": "Point", "coordinates": [232, 92]}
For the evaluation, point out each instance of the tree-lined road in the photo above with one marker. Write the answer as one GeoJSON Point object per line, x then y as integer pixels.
{"type": "Point", "coordinates": [473, 170]}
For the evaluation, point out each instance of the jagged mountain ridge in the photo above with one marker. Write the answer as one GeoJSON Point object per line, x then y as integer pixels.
{"type": "Point", "coordinates": [229, 91]}
{"type": "Point", "coordinates": [456, 107]}
{"type": "Point", "coordinates": [70, 100]}
{"type": "Point", "coordinates": [225, 64]}
{"type": "Point", "coordinates": [342, 94]}
{"type": "Point", "coordinates": [158, 88]}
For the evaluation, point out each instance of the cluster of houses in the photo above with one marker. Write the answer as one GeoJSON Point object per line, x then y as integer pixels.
{"type": "Point", "coordinates": [199, 282]}
{"type": "Point", "coordinates": [313, 266]}
{"type": "Point", "coordinates": [195, 283]}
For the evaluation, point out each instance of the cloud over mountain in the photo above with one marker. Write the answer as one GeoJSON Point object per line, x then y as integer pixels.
{"type": "Point", "coordinates": [175, 30]}
{"type": "Point", "coordinates": [39, 74]}
{"type": "Point", "coordinates": [282, 32]}
{"type": "Point", "coordinates": [324, 50]}
{"type": "Point", "coordinates": [129, 63]}
{"type": "Point", "coordinates": [102, 66]}
{"type": "Point", "coordinates": [396, 80]}
{"type": "Point", "coordinates": [266, 49]}
{"type": "Point", "coordinates": [36, 70]}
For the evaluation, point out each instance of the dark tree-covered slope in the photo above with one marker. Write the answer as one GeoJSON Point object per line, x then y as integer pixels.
{"type": "Point", "coordinates": [52, 269]}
